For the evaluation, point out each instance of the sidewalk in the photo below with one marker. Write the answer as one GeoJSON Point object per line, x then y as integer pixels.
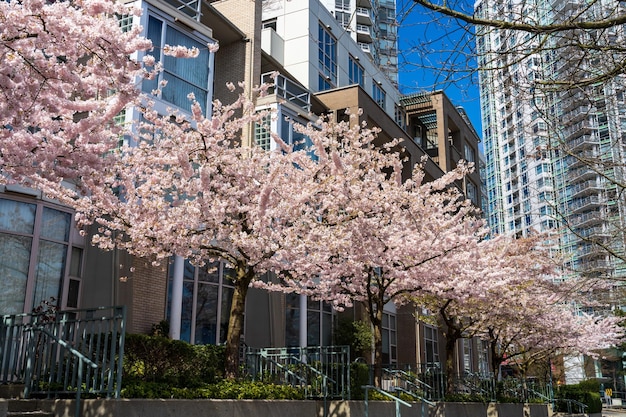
{"type": "Point", "coordinates": [613, 412]}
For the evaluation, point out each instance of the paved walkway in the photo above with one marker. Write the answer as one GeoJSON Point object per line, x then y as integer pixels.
{"type": "Point", "coordinates": [613, 412]}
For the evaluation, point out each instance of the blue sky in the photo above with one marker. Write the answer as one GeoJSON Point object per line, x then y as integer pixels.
{"type": "Point", "coordinates": [433, 56]}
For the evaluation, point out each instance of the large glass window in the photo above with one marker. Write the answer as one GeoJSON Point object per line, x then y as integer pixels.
{"type": "Point", "coordinates": [34, 242]}
{"type": "Point", "coordinates": [355, 72]}
{"type": "Point", "coordinates": [319, 322]}
{"type": "Point", "coordinates": [207, 296]}
{"type": "Point", "coordinates": [182, 76]}
{"type": "Point", "coordinates": [379, 95]}
{"type": "Point", "coordinates": [390, 339]}
{"type": "Point", "coordinates": [327, 55]}
{"type": "Point", "coordinates": [431, 344]}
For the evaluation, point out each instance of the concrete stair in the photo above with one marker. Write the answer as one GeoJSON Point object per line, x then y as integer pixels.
{"type": "Point", "coordinates": [26, 408]}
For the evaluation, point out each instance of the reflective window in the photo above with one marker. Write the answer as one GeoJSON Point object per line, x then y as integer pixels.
{"type": "Point", "coordinates": [34, 242]}
{"type": "Point", "coordinates": [379, 95]}
{"type": "Point", "coordinates": [327, 59]}
{"type": "Point", "coordinates": [389, 336]}
{"type": "Point", "coordinates": [207, 296]}
{"type": "Point", "coordinates": [181, 76]}
{"type": "Point", "coordinates": [355, 72]}
{"type": "Point", "coordinates": [319, 322]}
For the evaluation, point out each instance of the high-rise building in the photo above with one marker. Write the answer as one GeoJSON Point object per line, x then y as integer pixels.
{"type": "Point", "coordinates": [372, 24]}
{"type": "Point", "coordinates": [554, 141]}
{"type": "Point", "coordinates": [554, 156]}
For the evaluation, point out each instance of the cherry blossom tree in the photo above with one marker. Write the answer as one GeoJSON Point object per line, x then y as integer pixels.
{"type": "Point", "coordinates": [188, 188]}
{"type": "Point", "coordinates": [65, 72]}
{"type": "Point", "coordinates": [503, 294]}
{"type": "Point", "coordinates": [379, 240]}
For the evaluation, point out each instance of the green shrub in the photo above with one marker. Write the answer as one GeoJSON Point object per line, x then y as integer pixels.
{"type": "Point", "coordinates": [586, 392]}
{"type": "Point", "coordinates": [225, 389]}
{"type": "Point", "coordinates": [359, 376]}
{"type": "Point", "coordinates": [159, 359]}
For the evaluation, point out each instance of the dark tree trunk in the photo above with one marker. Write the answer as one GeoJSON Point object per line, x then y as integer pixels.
{"type": "Point", "coordinates": [235, 322]}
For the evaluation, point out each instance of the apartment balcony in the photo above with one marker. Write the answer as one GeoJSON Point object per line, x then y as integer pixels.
{"type": "Point", "coordinates": [289, 91]}
{"type": "Point", "coordinates": [576, 114]}
{"type": "Point", "coordinates": [367, 48]}
{"type": "Point", "coordinates": [581, 174]}
{"type": "Point", "coordinates": [364, 16]}
{"type": "Point", "coordinates": [573, 99]}
{"type": "Point", "coordinates": [580, 128]}
{"type": "Point", "coordinates": [586, 219]}
{"type": "Point", "coordinates": [567, 6]}
{"type": "Point", "coordinates": [364, 3]}
{"type": "Point", "coordinates": [585, 188]}
{"type": "Point", "coordinates": [582, 158]}
{"type": "Point", "coordinates": [364, 33]}
{"type": "Point", "coordinates": [599, 232]}
{"type": "Point", "coordinates": [583, 142]}
{"type": "Point", "coordinates": [586, 203]}
{"type": "Point", "coordinates": [598, 266]}
{"type": "Point", "coordinates": [590, 251]}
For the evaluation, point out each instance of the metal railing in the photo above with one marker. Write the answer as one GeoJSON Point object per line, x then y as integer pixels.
{"type": "Point", "coordinates": [323, 371]}
{"type": "Point", "coordinates": [570, 404]}
{"type": "Point", "coordinates": [397, 400]}
{"type": "Point", "coordinates": [63, 353]}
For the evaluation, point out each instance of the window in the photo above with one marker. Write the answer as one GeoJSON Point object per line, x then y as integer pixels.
{"type": "Point", "coordinates": [327, 59]}
{"type": "Point", "coordinates": [262, 134]}
{"type": "Point", "coordinates": [468, 365]}
{"type": "Point", "coordinates": [470, 190]}
{"type": "Point", "coordinates": [355, 72]}
{"type": "Point", "coordinates": [483, 357]}
{"type": "Point", "coordinates": [182, 76]}
{"type": "Point", "coordinates": [269, 24]}
{"type": "Point", "coordinates": [379, 95]}
{"type": "Point", "coordinates": [207, 296]}
{"type": "Point", "coordinates": [36, 246]}
{"type": "Point", "coordinates": [319, 322]}
{"type": "Point", "coordinates": [343, 19]}
{"type": "Point", "coordinates": [342, 5]}
{"type": "Point", "coordinates": [390, 339]}
{"type": "Point", "coordinates": [400, 116]}
{"type": "Point", "coordinates": [431, 344]}
{"type": "Point", "coordinates": [470, 155]}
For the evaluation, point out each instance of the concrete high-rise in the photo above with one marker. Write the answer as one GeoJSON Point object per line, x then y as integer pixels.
{"type": "Point", "coordinates": [554, 157]}
{"type": "Point", "coordinates": [372, 24]}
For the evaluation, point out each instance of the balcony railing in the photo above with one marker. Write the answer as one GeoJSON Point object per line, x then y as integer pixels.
{"type": "Point", "coordinates": [289, 91]}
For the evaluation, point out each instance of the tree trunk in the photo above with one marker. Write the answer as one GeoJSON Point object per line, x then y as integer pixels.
{"type": "Point", "coordinates": [377, 323]}
{"type": "Point", "coordinates": [449, 368]}
{"type": "Point", "coordinates": [235, 323]}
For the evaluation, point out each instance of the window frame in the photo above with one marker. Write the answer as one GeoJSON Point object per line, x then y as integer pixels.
{"type": "Point", "coordinates": [171, 22]}
{"type": "Point", "coordinates": [327, 58]}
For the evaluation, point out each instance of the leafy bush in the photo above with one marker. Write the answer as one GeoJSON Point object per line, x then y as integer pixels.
{"type": "Point", "coordinates": [159, 359]}
{"type": "Point", "coordinates": [225, 389]}
{"type": "Point", "coordinates": [586, 392]}
{"type": "Point", "coordinates": [359, 376]}
{"type": "Point", "coordinates": [466, 398]}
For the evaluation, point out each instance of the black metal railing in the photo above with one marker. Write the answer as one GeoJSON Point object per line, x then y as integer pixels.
{"type": "Point", "coordinates": [63, 353]}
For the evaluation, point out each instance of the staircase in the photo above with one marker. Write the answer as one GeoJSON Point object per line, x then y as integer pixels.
{"type": "Point", "coordinates": [26, 408]}
{"type": "Point", "coordinates": [14, 405]}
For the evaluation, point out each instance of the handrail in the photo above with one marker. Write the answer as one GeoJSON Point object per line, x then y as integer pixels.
{"type": "Point", "coordinates": [285, 369]}
{"type": "Point", "coordinates": [398, 401]}
{"type": "Point", "coordinates": [64, 352]}
{"type": "Point", "coordinates": [85, 360]}
{"type": "Point", "coordinates": [581, 406]}
{"type": "Point", "coordinates": [409, 378]}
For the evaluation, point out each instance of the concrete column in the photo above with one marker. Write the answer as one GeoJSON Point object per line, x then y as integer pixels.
{"type": "Point", "coordinates": [176, 303]}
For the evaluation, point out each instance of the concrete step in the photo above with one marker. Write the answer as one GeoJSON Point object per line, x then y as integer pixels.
{"type": "Point", "coordinates": [26, 408]}
{"type": "Point", "coordinates": [11, 390]}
